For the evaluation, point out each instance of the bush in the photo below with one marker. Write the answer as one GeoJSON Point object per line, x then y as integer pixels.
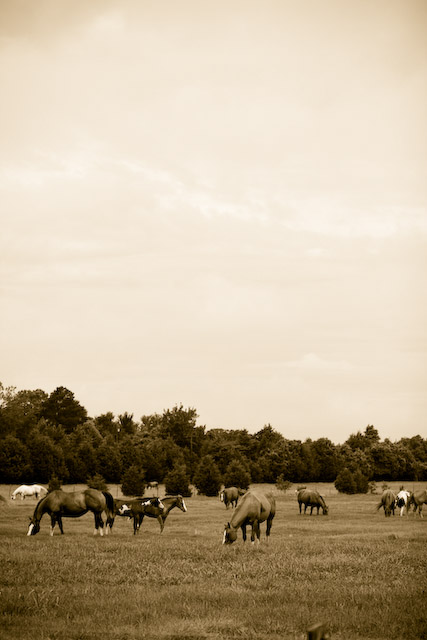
{"type": "Point", "coordinates": [54, 484]}
{"type": "Point", "coordinates": [97, 482]}
{"type": "Point", "coordinates": [345, 483]}
{"type": "Point", "coordinates": [237, 475]}
{"type": "Point", "coordinates": [348, 482]}
{"type": "Point", "coordinates": [133, 482]}
{"type": "Point", "coordinates": [207, 478]}
{"type": "Point", "coordinates": [177, 481]}
{"type": "Point", "coordinates": [282, 484]}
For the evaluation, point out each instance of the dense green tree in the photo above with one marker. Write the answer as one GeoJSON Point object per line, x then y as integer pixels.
{"type": "Point", "coordinates": [107, 425]}
{"type": "Point", "coordinates": [326, 460]}
{"type": "Point", "coordinates": [345, 482]}
{"type": "Point", "coordinates": [15, 461]}
{"type": "Point", "coordinates": [133, 481]}
{"type": "Point", "coordinates": [178, 424]}
{"type": "Point", "coordinates": [47, 458]}
{"type": "Point", "coordinates": [237, 475]}
{"type": "Point", "coordinates": [61, 408]}
{"type": "Point", "coordinates": [207, 478]}
{"type": "Point", "coordinates": [177, 481]}
{"type": "Point", "coordinates": [108, 460]}
{"type": "Point", "coordinates": [127, 425]}
{"type": "Point", "coordinates": [20, 412]}
{"type": "Point", "coordinates": [97, 482]}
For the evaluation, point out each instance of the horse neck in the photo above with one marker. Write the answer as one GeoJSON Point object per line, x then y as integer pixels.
{"type": "Point", "coordinates": [40, 508]}
{"type": "Point", "coordinates": [239, 516]}
{"type": "Point", "coordinates": [169, 503]}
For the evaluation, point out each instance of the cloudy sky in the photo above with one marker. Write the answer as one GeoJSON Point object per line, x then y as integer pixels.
{"type": "Point", "coordinates": [220, 204]}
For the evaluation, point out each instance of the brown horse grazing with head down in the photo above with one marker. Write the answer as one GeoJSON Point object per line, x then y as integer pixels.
{"type": "Point", "coordinates": [311, 499]}
{"type": "Point", "coordinates": [230, 495]}
{"type": "Point", "coordinates": [59, 504]}
{"type": "Point", "coordinates": [418, 499]}
{"type": "Point", "coordinates": [388, 501]}
{"type": "Point", "coordinates": [253, 508]}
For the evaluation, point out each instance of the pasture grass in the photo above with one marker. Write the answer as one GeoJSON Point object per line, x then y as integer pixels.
{"type": "Point", "coordinates": [362, 573]}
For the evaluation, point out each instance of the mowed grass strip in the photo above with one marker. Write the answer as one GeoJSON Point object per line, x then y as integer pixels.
{"type": "Point", "coordinates": [361, 572]}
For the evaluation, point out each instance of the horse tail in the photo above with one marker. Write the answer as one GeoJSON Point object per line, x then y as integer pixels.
{"type": "Point", "coordinates": [110, 503]}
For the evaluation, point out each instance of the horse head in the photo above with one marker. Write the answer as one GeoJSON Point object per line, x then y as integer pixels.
{"type": "Point", "coordinates": [180, 503]}
{"type": "Point", "coordinates": [230, 534]}
{"type": "Point", "coordinates": [34, 526]}
{"type": "Point", "coordinates": [325, 510]}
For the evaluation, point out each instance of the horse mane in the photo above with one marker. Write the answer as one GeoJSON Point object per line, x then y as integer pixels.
{"type": "Point", "coordinates": [39, 504]}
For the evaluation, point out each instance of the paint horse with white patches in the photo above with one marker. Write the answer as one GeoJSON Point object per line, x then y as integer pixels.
{"type": "Point", "coordinates": [418, 499]}
{"type": "Point", "coordinates": [60, 504]}
{"type": "Point", "coordinates": [253, 508]}
{"type": "Point", "coordinates": [136, 510]}
{"type": "Point", "coordinates": [28, 491]}
{"type": "Point", "coordinates": [230, 496]}
{"type": "Point", "coordinates": [169, 503]}
{"type": "Point", "coordinates": [402, 500]}
{"type": "Point", "coordinates": [388, 502]}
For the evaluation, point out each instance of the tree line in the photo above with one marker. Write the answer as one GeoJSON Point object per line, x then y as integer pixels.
{"type": "Point", "coordinates": [51, 435]}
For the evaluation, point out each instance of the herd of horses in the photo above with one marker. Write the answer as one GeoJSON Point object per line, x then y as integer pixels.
{"type": "Point", "coordinates": [250, 508]}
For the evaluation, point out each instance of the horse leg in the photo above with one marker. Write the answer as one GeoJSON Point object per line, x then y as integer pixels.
{"type": "Point", "coordinates": [243, 528]}
{"type": "Point", "coordinates": [161, 522]}
{"type": "Point", "coordinates": [52, 524]}
{"type": "Point", "coordinates": [59, 520]}
{"type": "Point", "coordinates": [256, 533]}
{"type": "Point", "coordinates": [269, 525]}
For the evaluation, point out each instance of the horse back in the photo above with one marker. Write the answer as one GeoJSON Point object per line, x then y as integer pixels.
{"type": "Point", "coordinates": [253, 506]}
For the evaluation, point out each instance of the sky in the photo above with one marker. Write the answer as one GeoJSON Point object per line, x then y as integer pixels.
{"type": "Point", "coordinates": [218, 204]}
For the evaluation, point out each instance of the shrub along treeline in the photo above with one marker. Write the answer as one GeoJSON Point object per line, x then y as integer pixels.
{"type": "Point", "coordinates": [50, 435]}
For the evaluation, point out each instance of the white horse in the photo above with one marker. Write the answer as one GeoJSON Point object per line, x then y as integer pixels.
{"type": "Point", "coordinates": [28, 491]}
{"type": "Point", "coordinates": [402, 500]}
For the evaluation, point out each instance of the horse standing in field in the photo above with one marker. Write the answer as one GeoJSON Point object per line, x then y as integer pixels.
{"type": "Point", "coordinates": [59, 504]}
{"type": "Point", "coordinates": [28, 491]}
{"type": "Point", "coordinates": [402, 500]}
{"type": "Point", "coordinates": [169, 503]}
{"type": "Point", "coordinates": [230, 496]}
{"type": "Point", "coordinates": [311, 499]}
{"type": "Point", "coordinates": [388, 501]}
{"type": "Point", "coordinates": [136, 508]}
{"type": "Point", "coordinates": [153, 511]}
{"type": "Point", "coordinates": [254, 507]}
{"type": "Point", "coordinates": [418, 499]}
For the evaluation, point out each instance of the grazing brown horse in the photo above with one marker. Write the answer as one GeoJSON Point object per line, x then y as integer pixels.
{"type": "Point", "coordinates": [418, 499]}
{"type": "Point", "coordinates": [59, 504]}
{"type": "Point", "coordinates": [311, 499]}
{"type": "Point", "coordinates": [253, 508]}
{"type": "Point", "coordinates": [230, 495]}
{"type": "Point", "coordinates": [388, 501]}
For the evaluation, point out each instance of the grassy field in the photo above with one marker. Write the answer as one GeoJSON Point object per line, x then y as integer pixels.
{"type": "Point", "coordinates": [364, 574]}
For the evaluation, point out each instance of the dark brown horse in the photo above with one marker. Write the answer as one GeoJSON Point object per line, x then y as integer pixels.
{"type": "Point", "coordinates": [253, 508]}
{"type": "Point", "coordinates": [388, 502]}
{"type": "Point", "coordinates": [311, 499]}
{"type": "Point", "coordinates": [230, 496]}
{"type": "Point", "coordinates": [59, 504]}
{"type": "Point", "coordinates": [169, 503]}
{"type": "Point", "coordinates": [136, 509]}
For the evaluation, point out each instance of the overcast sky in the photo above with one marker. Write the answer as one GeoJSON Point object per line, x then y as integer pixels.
{"type": "Point", "coordinates": [220, 204]}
